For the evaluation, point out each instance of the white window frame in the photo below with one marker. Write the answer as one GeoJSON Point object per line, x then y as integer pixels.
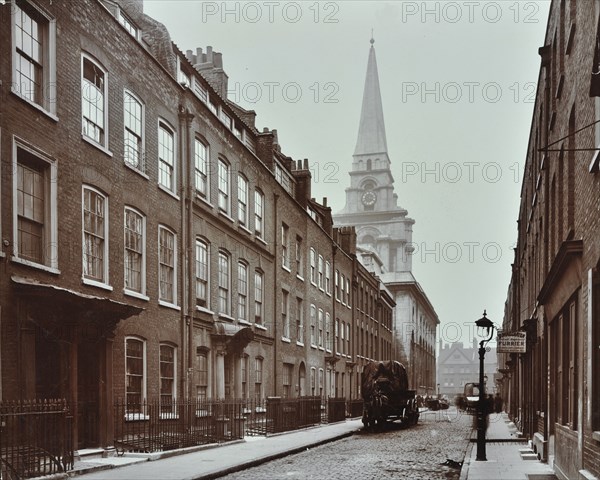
{"type": "Point", "coordinates": [172, 189]}
{"type": "Point", "coordinates": [299, 258]}
{"type": "Point", "coordinates": [165, 301]}
{"type": "Point", "coordinates": [224, 186]}
{"type": "Point", "coordinates": [202, 169]}
{"type": "Point", "coordinates": [285, 247]}
{"type": "Point", "coordinates": [203, 242]}
{"type": "Point", "coordinates": [242, 200]}
{"type": "Point", "coordinates": [321, 273]}
{"type": "Point", "coordinates": [285, 314]}
{"type": "Point", "coordinates": [167, 414]}
{"type": "Point", "coordinates": [141, 152]}
{"type": "Point", "coordinates": [328, 278]}
{"type": "Point", "coordinates": [313, 266]}
{"type": "Point", "coordinates": [258, 377]}
{"type": "Point", "coordinates": [313, 325]}
{"type": "Point", "coordinates": [144, 392]}
{"type": "Point", "coordinates": [47, 94]}
{"type": "Point", "coordinates": [259, 213]}
{"type": "Point", "coordinates": [320, 329]}
{"type": "Point", "coordinates": [104, 281]}
{"type": "Point", "coordinates": [127, 290]}
{"type": "Point", "coordinates": [128, 24]}
{"type": "Point", "coordinates": [259, 296]}
{"type": "Point", "coordinates": [50, 232]}
{"type": "Point", "coordinates": [103, 141]}
{"type": "Point", "coordinates": [299, 321]}
{"type": "Point", "coordinates": [224, 286]}
{"type": "Point", "coordinates": [242, 291]}
{"type": "Point", "coordinates": [328, 331]}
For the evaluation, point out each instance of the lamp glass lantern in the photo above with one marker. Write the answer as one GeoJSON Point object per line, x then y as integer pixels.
{"type": "Point", "coordinates": [485, 328]}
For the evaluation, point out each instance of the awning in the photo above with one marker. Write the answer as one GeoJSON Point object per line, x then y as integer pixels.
{"type": "Point", "coordinates": [235, 337]}
{"type": "Point", "coordinates": [59, 299]}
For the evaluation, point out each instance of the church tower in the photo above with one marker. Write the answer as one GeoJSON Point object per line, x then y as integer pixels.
{"type": "Point", "coordinates": [371, 204]}
{"type": "Point", "coordinates": [383, 229]}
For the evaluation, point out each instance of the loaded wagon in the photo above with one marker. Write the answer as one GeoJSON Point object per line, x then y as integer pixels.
{"type": "Point", "coordinates": [386, 396]}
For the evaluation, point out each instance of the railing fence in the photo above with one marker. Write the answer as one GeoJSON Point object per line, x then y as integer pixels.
{"type": "Point", "coordinates": [35, 438]}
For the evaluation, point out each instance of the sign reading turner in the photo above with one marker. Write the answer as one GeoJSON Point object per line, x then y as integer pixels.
{"type": "Point", "coordinates": [511, 343]}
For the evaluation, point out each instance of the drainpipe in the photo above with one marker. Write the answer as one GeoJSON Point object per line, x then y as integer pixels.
{"type": "Point", "coordinates": [185, 119]}
{"type": "Point", "coordinates": [275, 288]}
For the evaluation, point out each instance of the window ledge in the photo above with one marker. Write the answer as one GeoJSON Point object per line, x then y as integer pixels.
{"type": "Point", "coordinates": [2, 254]}
{"type": "Point", "coordinates": [37, 106]}
{"type": "Point", "coordinates": [322, 349]}
{"type": "Point", "coordinates": [260, 327]}
{"type": "Point", "coordinates": [312, 345]}
{"type": "Point", "coordinates": [39, 266]}
{"type": "Point", "coordinates": [96, 283]}
{"type": "Point", "coordinates": [244, 322]}
{"type": "Point", "coordinates": [132, 293]}
{"type": "Point", "coordinates": [286, 340]}
{"type": "Point", "coordinates": [328, 293]}
{"type": "Point", "coordinates": [133, 168]}
{"type": "Point", "coordinates": [168, 192]}
{"type": "Point", "coordinates": [300, 277]}
{"type": "Point", "coordinates": [100, 147]}
{"type": "Point", "coordinates": [286, 268]}
{"type": "Point", "coordinates": [300, 344]}
{"type": "Point", "coordinates": [226, 317]}
{"type": "Point", "coordinates": [242, 227]}
{"type": "Point", "coordinates": [261, 240]}
{"type": "Point", "coordinates": [164, 303]}
{"type": "Point", "coordinates": [313, 283]}
{"type": "Point", "coordinates": [596, 436]}
{"type": "Point", "coordinates": [205, 310]}
{"type": "Point", "coordinates": [204, 200]}
{"type": "Point", "coordinates": [225, 215]}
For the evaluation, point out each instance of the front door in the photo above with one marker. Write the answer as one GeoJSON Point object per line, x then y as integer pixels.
{"type": "Point", "coordinates": [88, 393]}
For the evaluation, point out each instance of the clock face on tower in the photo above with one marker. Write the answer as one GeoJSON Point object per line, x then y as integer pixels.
{"type": "Point", "coordinates": [369, 198]}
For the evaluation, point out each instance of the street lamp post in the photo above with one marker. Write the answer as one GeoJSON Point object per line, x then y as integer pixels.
{"type": "Point", "coordinates": [485, 329]}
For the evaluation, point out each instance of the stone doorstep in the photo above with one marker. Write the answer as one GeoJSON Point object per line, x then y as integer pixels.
{"type": "Point", "coordinates": [529, 456]}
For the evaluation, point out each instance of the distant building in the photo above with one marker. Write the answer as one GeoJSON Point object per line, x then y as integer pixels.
{"type": "Point", "coordinates": [383, 227]}
{"type": "Point", "coordinates": [458, 365]}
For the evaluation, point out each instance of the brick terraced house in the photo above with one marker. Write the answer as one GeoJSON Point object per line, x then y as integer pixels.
{"type": "Point", "coordinates": [156, 245]}
{"type": "Point", "coordinates": [553, 388]}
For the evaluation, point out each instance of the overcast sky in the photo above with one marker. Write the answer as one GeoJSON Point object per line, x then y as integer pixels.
{"type": "Point", "coordinates": [458, 84]}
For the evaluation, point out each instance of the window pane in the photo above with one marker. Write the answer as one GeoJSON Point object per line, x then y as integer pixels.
{"type": "Point", "coordinates": [93, 230]}
{"type": "Point", "coordinates": [166, 155]}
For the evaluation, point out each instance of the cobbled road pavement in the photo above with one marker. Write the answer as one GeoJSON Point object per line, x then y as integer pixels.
{"type": "Point", "coordinates": [415, 453]}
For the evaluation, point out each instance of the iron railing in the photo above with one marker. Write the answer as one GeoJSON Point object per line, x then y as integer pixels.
{"type": "Point", "coordinates": [155, 425]}
{"type": "Point", "coordinates": [354, 408]}
{"type": "Point", "coordinates": [284, 414]}
{"type": "Point", "coordinates": [35, 438]}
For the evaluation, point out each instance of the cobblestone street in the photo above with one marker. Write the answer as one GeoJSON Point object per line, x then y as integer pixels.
{"type": "Point", "coordinates": [415, 453]}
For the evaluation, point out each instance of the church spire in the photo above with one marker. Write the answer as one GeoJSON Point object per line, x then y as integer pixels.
{"type": "Point", "coordinates": [371, 131]}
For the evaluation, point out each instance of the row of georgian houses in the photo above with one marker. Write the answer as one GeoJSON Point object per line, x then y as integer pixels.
{"type": "Point", "coordinates": [155, 244]}
{"type": "Point", "coordinates": [552, 390]}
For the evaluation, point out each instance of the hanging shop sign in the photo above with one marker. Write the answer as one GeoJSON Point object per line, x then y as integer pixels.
{"type": "Point", "coordinates": [512, 343]}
